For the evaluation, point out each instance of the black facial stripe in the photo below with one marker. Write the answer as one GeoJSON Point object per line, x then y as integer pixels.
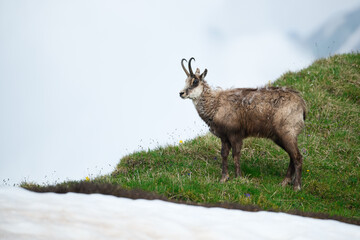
{"type": "Point", "coordinates": [192, 86]}
{"type": "Point", "coordinates": [195, 83]}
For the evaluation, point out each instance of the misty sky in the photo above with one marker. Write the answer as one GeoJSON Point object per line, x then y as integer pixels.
{"type": "Point", "coordinates": [82, 83]}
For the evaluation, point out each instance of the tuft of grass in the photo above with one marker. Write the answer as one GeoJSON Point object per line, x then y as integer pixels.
{"type": "Point", "coordinates": [190, 172]}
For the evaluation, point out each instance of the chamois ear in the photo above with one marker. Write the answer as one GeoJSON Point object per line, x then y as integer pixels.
{"type": "Point", "coordinates": [203, 75]}
{"type": "Point", "coordinates": [197, 74]}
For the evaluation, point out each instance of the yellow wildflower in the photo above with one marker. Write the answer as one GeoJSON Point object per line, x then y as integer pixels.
{"type": "Point", "coordinates": [87, 179]}
{"type": "Point", "coordinates": [180, 141]}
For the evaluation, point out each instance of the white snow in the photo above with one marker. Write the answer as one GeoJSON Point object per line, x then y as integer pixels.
{"type": "Point", "coordinates": [29, 215]}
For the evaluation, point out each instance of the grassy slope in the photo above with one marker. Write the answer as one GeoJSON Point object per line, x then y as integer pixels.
{"type": "Point", "coordinates": [330, 146]}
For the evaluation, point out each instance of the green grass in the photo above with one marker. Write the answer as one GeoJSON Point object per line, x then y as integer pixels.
{"type": "Point", "coordinates": [330, 146]}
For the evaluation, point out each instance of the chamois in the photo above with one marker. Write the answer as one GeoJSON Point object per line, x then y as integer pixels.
{"type": "Point", "coordinates": [277, 113]}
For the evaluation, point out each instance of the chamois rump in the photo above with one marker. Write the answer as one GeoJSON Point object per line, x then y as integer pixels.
{"type": "Point", "coordinates": [277, 113]}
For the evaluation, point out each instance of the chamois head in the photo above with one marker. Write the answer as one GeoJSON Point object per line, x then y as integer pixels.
{"type": "Point", "coordinates": [194, 83]}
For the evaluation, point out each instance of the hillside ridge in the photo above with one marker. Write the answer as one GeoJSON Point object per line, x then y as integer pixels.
{"type": "Point", "coordinates": [190, 171]}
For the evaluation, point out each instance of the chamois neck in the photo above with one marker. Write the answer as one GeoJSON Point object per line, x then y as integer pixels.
{"type": "Point", "coordinates": [206, 104]}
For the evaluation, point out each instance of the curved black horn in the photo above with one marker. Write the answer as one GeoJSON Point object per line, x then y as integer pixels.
{"type": "Point", "coordinates": [182, 64]}
{"type": "Point", "coordinates": [191, 71]}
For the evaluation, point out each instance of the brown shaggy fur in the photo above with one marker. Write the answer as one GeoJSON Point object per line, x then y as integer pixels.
{"type": "Point", "coordinates": [235, 114]}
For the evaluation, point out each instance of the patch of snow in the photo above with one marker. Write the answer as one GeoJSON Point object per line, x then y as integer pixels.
{"type": "Point", "coordinates": [29, 215]}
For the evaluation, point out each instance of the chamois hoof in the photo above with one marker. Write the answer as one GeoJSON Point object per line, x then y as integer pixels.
{"type": "Point", "coordinates": [286, 181]}
{"type": "Point", "coordinates": [224, 178]}
{"type": "Point", "coordinates": [297, 188]}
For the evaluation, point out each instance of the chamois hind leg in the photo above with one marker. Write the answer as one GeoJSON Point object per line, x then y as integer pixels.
{"type": "Point", "coordinates": [289, 177]}
{"type": "Point", "coordinates": [298, 168]}
{"type": "Point", "coordinates": [291, 169]}
{"type": "Point", "coordinates": [225, 149]}
{"type": "Point", "coordinates": [295, 166]}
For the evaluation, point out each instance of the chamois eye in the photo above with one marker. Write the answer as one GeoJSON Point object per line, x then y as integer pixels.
{"type": "Point", "coordinates": [195, 82]}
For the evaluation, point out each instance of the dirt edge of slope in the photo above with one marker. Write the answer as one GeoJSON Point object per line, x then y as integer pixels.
{"type": "Point", "coordinates": [114, 190]}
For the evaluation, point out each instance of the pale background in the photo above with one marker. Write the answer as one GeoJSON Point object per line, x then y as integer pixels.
{"type": "Point", "coordinates": [83, 83]}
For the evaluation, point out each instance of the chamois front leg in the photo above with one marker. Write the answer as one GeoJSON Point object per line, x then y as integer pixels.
{"type": "Point", "coordinates": [236, 151]}
{"type": "Point", "coordinates": [225, 149]}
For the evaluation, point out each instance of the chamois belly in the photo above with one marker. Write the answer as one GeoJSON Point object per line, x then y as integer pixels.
{"type": "Point", "coordinates": [243, 128]}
